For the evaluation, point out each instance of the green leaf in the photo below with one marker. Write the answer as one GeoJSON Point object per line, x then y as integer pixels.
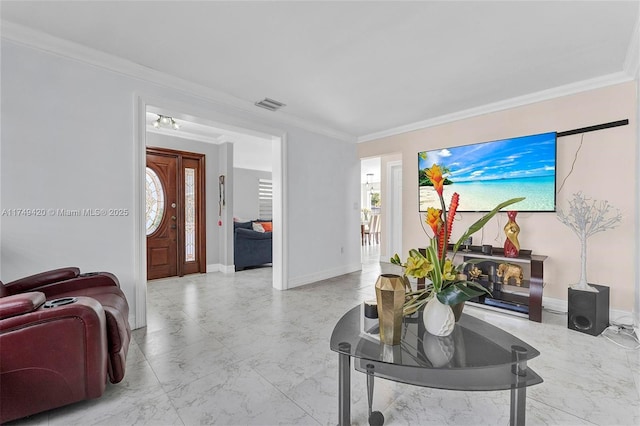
{"type": "Point", "coordinates": [477, 286]}
{"type": "Point", "coordinates": [436, 273]}
{"type": "Point", "coordinates": [484, 219]}
{"type": "Point", "coordinates": [458, 293]}
{"type": "Point", "coordinates": [416, 253]}
{"type": "Point", "coordinates": [396, 260]}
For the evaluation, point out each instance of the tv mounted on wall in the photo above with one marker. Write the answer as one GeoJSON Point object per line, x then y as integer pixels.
{"type": "Point", "coordinates": [485, 174]}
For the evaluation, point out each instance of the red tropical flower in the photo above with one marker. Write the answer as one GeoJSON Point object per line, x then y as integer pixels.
{"type": "Point", "coordinates": [443, 240]}
{"type": "Point", "coordinates": [453, 206]}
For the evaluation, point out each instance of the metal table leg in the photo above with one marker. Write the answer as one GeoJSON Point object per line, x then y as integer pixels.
{"type": "Point", "coordinates": [344, 385]}
{"type": "Point", "coordinates": [518, 394]}
{"type": "Point", "coordinates": [375, 417]}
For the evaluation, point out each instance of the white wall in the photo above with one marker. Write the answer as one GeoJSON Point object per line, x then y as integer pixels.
{"type": "Point", "coordinates": [68, 142]}
{"type": "Point", "coordinates": [225, 243]}
{"type": "Point", "coordinates": [324, 208]}
{"type": "Point", "coordinates": [246, 204]}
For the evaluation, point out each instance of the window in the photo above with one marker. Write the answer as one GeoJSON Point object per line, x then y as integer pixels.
{"type": "Point", "coordinates": [265, 195]}
{"type": "Point", "coordinates": [155, 201]}
{"type": "Point", "coordinates": [189, 215]}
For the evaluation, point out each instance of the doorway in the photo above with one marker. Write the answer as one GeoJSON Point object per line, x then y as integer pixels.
{"type": "Point", "coordinates": [209, 117]}
{"type": "Point", "coordinates": [175, 216]}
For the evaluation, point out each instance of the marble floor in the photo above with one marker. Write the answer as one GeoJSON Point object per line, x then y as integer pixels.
{"type": "Point", "coordinates": [230, 350]}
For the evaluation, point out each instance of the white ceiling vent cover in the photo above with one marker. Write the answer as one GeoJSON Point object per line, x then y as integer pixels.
{"type": "Point", "coordinates": [270, 104]}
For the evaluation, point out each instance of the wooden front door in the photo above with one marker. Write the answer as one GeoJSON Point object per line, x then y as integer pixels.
{"type": "Point", "coordinates": [175, 215]}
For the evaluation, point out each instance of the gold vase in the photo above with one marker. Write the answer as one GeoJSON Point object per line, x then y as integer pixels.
{"type": "Point", "coordinates": [390, 298]}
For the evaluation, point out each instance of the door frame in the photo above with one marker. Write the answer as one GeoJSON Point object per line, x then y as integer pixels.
{"type": "Point", "coordinates": [201, 232]}
{"type": "Point", "coordinates": [394, 210]}
{"type": "Point", "coordinates": [280, 190]}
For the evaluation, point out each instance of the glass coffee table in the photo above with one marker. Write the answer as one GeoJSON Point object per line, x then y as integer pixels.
{"type": "Point", "coordinates": [477, 356]}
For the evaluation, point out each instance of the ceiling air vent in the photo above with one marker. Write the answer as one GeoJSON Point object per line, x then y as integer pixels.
{"type": "Point", "coordinates": [270, 104]}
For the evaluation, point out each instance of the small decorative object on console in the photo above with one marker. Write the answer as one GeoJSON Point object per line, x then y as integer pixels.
{"type": "Point", "coordinates": [509, 270]}
{"type": "Point", "coordinates": [475, 273]}
{"type": "Point", "coordinates": [511, 230]}
{"type": "Point", "coordinates": [371, 309]}
{"type": "Point", "coordinates": [467, 243]}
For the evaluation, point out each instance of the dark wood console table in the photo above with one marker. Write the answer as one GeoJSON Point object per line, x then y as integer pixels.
{"type": "Point", "coordinates": [524, 300]}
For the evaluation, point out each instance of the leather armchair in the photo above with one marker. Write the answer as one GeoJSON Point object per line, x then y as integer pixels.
{"type": "Point", "coordinates": [51, 356]}
{"type": "Point", "coordinates": [101, 286]}
{"type": "Point", "coordinates": [59, 281]}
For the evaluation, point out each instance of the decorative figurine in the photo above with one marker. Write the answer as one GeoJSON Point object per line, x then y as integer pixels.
{"type": "Point", "coordinates": [509, 270]}
{"type": "Point", "coordinates": [511, 230]}
{"type": "Point", "coordinates": [475, 272]}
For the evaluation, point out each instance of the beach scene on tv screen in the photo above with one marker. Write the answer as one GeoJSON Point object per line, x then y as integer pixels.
{"type": "Point", "coordinates": [486, 174]}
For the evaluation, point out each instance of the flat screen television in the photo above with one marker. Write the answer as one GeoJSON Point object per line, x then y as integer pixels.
{"type": "Point", "coordinates": [486, 174]}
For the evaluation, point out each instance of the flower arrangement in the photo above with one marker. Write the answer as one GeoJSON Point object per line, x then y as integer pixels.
{"type": "Point", "coordinates": [448, 283]}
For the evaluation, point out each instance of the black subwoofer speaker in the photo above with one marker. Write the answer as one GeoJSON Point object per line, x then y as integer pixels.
{"type": "Point", "coordinates": [589, 311]}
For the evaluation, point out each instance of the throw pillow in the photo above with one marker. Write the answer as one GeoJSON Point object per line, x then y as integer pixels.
{"type": "Point", "coordinates": [257, 226]}
{"type": "Point", "coordinates": [268, 226]}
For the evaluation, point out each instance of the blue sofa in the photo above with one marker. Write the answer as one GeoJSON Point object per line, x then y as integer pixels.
{"type": "Point", "coordinates": [250, 248]}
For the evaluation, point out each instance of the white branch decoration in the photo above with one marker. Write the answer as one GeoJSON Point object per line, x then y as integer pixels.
{"type": "Point", "coordinates": [585, 218]}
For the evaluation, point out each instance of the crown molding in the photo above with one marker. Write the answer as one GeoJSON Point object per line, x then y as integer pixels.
{"type": "Point", "coordinates": [544, 95]}
{"type": "Point", "coordinates": [28, 37]}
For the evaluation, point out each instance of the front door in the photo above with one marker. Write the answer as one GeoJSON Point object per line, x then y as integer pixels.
{"type": "Point", "coordinates": [174, 213]}
{"type": "Point", "coordinates": [162, 216]}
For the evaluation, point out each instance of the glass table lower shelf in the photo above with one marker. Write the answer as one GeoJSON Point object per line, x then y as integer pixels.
{"type": "Point", "coordinates": [477, 356]}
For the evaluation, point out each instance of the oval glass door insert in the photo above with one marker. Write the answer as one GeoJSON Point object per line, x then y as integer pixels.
{"type": "Point", "coordinates": [155, 201]}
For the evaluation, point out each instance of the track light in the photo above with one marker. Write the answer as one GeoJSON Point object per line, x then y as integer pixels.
{"type": "Point", "coordinates": [166, 121]}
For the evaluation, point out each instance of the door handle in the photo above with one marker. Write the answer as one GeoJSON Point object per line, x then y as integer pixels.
{"type": "Point", "coordinates": [173, 218]}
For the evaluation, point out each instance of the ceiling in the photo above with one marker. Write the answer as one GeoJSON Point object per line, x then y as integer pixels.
{"type": "Point", "coordinates": [249, 151]}
{"type": "Point", "coordinates": [356, 68]}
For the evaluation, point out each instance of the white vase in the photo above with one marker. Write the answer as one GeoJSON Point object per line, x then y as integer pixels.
{"type": "Point", "coordinates": [438, 318]}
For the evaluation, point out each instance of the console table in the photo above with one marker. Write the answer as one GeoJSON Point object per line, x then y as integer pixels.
{"type": "Point", "coordinates": [476, 356]}
{"type": "Point", "coordinates": [524, 300]}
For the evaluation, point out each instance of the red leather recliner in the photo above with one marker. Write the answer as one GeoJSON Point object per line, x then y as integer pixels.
{"type": "Point", "coordinates": [101, 286]}
{"type": "Point", "coordinates": [50, 356]}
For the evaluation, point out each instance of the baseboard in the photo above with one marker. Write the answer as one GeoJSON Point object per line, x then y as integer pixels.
{"type": "Point", "coordinates": [228, 269]}
{"type": "Point", "coordinates": [560, 305]}
{"type": "Point", "coordinates": [323, 275]}
{"type": "Point", "coordinates": [218, 267]}
{"type": "Point", "coordinates": [553, 304]}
